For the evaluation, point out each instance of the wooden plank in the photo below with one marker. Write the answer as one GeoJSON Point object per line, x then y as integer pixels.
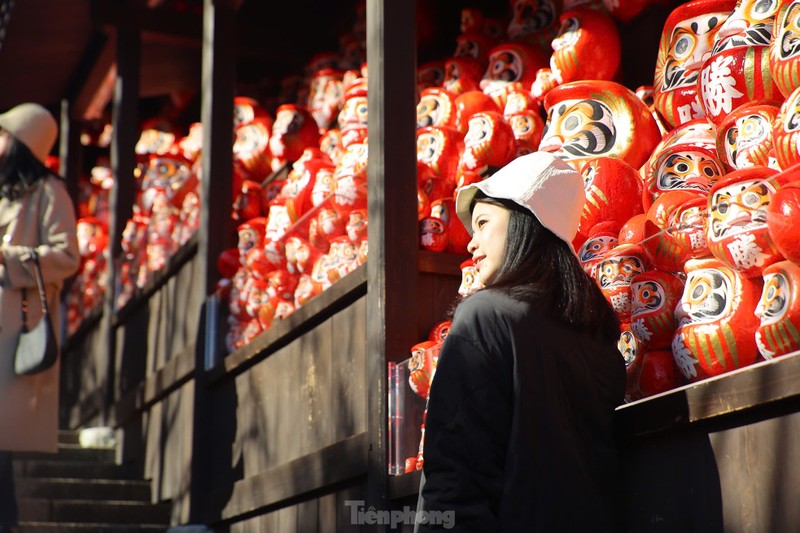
{"type": "Point", "coordinates": [299, 391]}
{"type": "Point", "coordinates": [345, 501]}
{"type": "Point", "coordinates": [348, 391]}
{"type": "Point", "coordinates": [286, 407]}
{"type": "Point", "coordinates": [759, 472]}
{"type": "Point", "coordinates": [316, 471]}
{"type": "Point", "coordinates": [773, 384]}
{"type": "Point", "coordinates": [393, 224]}
{"type": "Point", "coordinates": [307, 516]}
{"type": "Point", "coordinates": [89, 324]}
{"type": "Point", "coordinates": [671, 483]}
{"type": "Point", "coordinates": [155, 388]}
{"type": "Point", "coordinates": [158, 279]}
{"type": "Point", "coordinates": [327, 514]}
{"type": "Point", "coordinates": [255, 420]}
{"type": "Point", "coordinates": [310, 375]}
{"type": "Point", "coordinates": [405, 486]}
{"type": "Point", "coordinates": [341, 294]}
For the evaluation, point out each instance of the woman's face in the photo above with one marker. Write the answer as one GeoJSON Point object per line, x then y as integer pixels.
{"type": "Point", "coordinates": [489, 227]}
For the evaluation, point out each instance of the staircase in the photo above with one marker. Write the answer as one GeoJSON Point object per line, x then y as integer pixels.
{"type": "Point", "coordinates": [83, 490]}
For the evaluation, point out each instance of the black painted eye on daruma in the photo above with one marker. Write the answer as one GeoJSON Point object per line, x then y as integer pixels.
{"type": "Point", "coordinates": [683, 47]}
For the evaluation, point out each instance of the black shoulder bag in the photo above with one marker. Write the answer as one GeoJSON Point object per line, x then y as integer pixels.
{"type": "Point", "coordinates": [37, 349]}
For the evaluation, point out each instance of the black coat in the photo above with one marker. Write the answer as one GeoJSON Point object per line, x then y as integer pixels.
{"type": "Point", "coordinates": [518, 435]}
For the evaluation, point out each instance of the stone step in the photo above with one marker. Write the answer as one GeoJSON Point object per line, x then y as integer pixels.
{"type": "Point", "coordinates": [72, 452]}
{"type": "Point", "coordinates": [93, 512]}
{"type": "Point", "coordinates": [83, 489]}
{"type": "Point", "coordinates": [56, 468]}
{"type": "Point", "coordinates": [67, 527]}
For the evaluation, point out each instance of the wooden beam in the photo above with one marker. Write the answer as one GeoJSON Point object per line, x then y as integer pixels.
{"type": "Point", "coordinates": [123, 161]}
{"type": "Point", "coordinates": [392, 194]}
{"type": "Point", "coordinates": [333, 465]}
{"type": "Point", "coordinates": [184, 27]}
{"type": "Point", "coordinates": [97, 87]}
{"type": "Point", "coordinates": [69, 150]}
{"type": "Point", "coordinates": [216, 227]}
{"type": "Point", "coordinates": [219, 79]}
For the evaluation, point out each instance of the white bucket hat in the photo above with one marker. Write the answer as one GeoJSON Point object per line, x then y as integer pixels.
{"type": "Point", "coordinates": [34, 126]}
{"type": "Point", "coordinates": [540, 182]}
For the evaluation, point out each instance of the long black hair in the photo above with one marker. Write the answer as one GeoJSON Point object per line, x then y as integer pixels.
{"type": "Point", "coordinates": [542, 268]}
{"type": "Point", "coordinates": [19, 169]}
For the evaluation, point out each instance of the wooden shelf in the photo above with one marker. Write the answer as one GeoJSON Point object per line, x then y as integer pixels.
{"type": "Point", "coordinates": [405, 486]}
{"type": "Point", "coordinates": [758, 391]}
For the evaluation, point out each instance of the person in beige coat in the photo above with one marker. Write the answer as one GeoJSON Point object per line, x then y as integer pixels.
{"type": "Point", "coordinates": [35, 211]}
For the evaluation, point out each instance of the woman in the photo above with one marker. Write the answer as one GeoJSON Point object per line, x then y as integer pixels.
{"type": "Point", "coordinates": [35, 211]}
{"type": "Point", "coordinates": [518, 434]}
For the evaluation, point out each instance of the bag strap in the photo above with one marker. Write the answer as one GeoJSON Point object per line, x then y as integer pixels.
{"type": "Point", "coordinates": [37, 271]}
{"type": "Point", "coordinates": [25, 311]}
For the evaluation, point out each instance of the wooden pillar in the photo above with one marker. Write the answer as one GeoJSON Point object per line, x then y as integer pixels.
{"type": "Point", "coordinates": [216, 226]}
{"type": "Point", "coordinates": [125, 122]}
{"type": "Point", "coordinates": [392, 191]}
{"type": "Point", "coordinates": [69, 150]}
{"type": "Point", "coordinates": [219, 79]}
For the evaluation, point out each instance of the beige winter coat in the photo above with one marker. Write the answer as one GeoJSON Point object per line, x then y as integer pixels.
{"type": "Point", "coordinates": [43, 218]}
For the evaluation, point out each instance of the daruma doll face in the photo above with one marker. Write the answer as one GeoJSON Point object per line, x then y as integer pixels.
{"type": "Point", "coordinates": [716, 323]}
{"type": "Point", "coordinates": [686, 41]}
{"type": "Point", "coordinates": [779, 310]}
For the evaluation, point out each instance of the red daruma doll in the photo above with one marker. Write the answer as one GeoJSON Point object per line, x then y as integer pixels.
{"type": "Point", "coordinates": [602, 238]}
{"type": "Point", "coordinates": [587, 47]}
{"type": "Point", "coordinates": [489, 143]}
{"type": "Point", "coordinates": [784, 52]}
{"type": "Point", "coordinates": [589, 119]}
{"type": "Point", "coordinates": [422, 366]}
{"type": "Point", "coordinates": [737, 228]}
{"type": "Point", "coordinates": [783, 220]}
{"type": "Point", "coordinates": [686, 41]}
{"type": "Point", "coordinates": [716, 320]}
{"type": "Point", "coordinates": [294, 130]}
{"type": "Point", "coordinates": [613, 192]}
{"type": "Point", "coordinates": [737, 72]}
{"type": "Point", "coordinates": [654, 296]}
{"type": "Point", "coordinates": [614, 274]}
{"type": "Point", "coordinates": [786, 131]}
{"type": "Point", "coordinates": [779, 310]}
{"type": "Point", "coordinates": [251, 148]}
